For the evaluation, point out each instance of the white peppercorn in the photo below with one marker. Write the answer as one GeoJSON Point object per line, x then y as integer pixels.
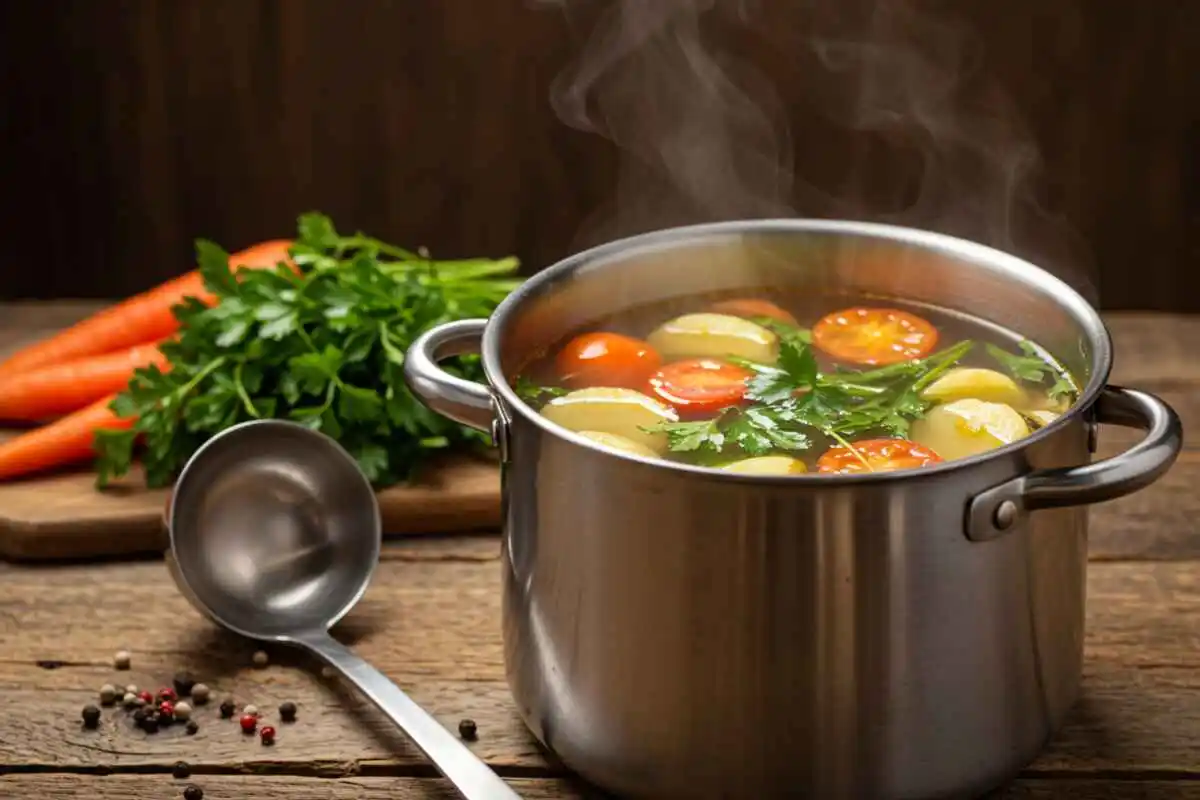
{"type": "Point", "coordinates": [108, 694]}
{"type": "Point", "coordinates": [259, 659]}
{"type": "Point", "coordinates": [183, 711]}
{"type": "Point", "coordinates": [200, 694]}
{"type": "Point", "coordinates": [122, 660]}
{"type": "Point", "coordinates": [250, 710]}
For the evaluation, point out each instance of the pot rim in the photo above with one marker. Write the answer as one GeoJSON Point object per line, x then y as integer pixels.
{"type": "Point", "coordinates": [666, 238]}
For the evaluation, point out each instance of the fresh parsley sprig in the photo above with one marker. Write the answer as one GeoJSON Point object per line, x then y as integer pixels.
{"type": "Point", "coordinates": [791, 401]}
{"type": "Point", "coordinates": [322, 344]}
{"type": "Point", "coordinates": [1033, 367]}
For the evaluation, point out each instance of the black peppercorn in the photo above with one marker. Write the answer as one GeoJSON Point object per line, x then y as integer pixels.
{"type": "Point", "coordinates": [139, 714]}
{"type": "Point", "coordinates": [91, 716]}
{"type": "Point", "coordinates": [193, 793]}
{"type": "Point", "coordinates": [150, 722]}
{"type": "Point", "coordinates": [467, 729]}
{"type": "Point", "coordinates": [287, 711]}
{"type": "Point", "coordinates": [183, 684]}
{"type": "Point", "coordinates": [192, 727]}
{"type": "Point", "coordinates": [228, 708]}
{"type": "Point", "coordinates": [181, 770]}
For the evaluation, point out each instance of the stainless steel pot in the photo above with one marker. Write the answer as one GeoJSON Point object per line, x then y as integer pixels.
{"type": "Point", "coordinates": [674, 631]}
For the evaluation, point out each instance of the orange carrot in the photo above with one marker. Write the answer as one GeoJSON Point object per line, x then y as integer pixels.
{"type": "Point", "coordinates": [63, 442]}
{"type": "Point", "coordinates": [143, 318]}
{"type": "Point", "coordinates": [47, 392]}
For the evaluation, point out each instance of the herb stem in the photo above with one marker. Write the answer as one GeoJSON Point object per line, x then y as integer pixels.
{"type": "Point", "coordinates": [240, 388]}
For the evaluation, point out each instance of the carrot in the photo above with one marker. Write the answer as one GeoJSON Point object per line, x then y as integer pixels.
{"type": "Point", "coordinates": [47, 392]}
{"type": "Point", "coordinates": [143, 318]}
{"type": "Point", "coordinates": [65, 441]}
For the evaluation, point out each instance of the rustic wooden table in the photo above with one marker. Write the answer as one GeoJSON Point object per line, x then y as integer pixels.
{"type": "Point", "coordinates": [431, 622]}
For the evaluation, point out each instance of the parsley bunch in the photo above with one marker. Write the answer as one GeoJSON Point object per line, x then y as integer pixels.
{"type": "Point", "coordinates": [322, 344]}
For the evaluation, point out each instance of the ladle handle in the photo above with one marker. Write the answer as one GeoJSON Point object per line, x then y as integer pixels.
{"type": "Point", "coordinates": [473, 778]}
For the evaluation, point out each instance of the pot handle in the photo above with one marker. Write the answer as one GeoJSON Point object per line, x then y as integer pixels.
{"type": "Point", "coordinates": [995, 511]}
{"type": "Point", "coordinates": [461, 400]}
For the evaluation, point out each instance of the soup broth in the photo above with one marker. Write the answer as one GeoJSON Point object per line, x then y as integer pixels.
{"type": "Point", "coordinates": [777, 385]}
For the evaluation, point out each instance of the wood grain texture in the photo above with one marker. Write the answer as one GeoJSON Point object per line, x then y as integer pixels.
{"type": "Point", "coordinates": [226, 118]}
{"type": "Point", "coordinates": [270, 787]}
{"type": "Point", "coordinates": [431, 623]}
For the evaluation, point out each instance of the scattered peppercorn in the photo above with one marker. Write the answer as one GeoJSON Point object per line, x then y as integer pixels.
{"type": "Point", "coordinates": [108, 694]}
{"type": "Point", "coordinates": [132, 701]}
{"type": "Point", "coordinates": [150, 722]}
{"type": "Point", "coordinates": [145, 697]}
{"type": "Point", "coordinates": [181, 770]}
{"type": "Point", "coordinates": [138, 715]}
{"type": "Point", "coordinates": [122, 660]}
{"type": "Point", "coordinates": [184, 683]}
{"type": "Point", "coordinates": [131, 689]}
{"type": "Point", "coordinates": [227, 708]}
{"type": "Point", "coordinates": [287, 712]}
{"type": "Point", "coordinates": [166, 695]}
{"type": "Point", "coordinates": [200, 694]}
{"type": "Point", "coordinates": [193, 793]}
{"type": "Point", "coordinates": [467, 729]}
{"type": "Point", "coordinates": [183, 711]}
{"type": "Point", "coordinates": [192, 727]}
{"type": "Point", "coordinates": [248, 722]}
{"type": "Point", "coordinates": [259, 659]}
{"type": "Point", "coordinates": [91, 716]}
{"type": "Point", "coordinates": [250, 710]}
{"type": "Point", "coordinates": [268, 735]}
{"type": "Point", "coordinates": [166, 710]}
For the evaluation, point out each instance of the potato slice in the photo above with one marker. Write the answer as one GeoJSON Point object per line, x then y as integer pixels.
{"type": "Point", "coordinates": [967, 427]}
{"type": "Point", "coordinates": [767, 465]}
{"type": "Point", "coordinates": [615, 442]}
{"type": "Point", "coordinates": [982, 384]}
{"type": "Point", "coordinates": [622, 412]}
{"type": "Point", "coordinates": [714, 336]}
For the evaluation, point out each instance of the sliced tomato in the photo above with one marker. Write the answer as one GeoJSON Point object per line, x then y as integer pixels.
{"type": "Point", "coordinates": [874, 336]}
{"type": "Point", "coordinates": [882, 455]}
{"type": "Point", "coordinates": [700, 386]}
{"type": "Point", "coordinates": [606, 359]}
{"type": "Point", "coordinates": [752, 307]}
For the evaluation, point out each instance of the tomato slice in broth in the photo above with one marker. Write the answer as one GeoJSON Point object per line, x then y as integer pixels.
{"type": "Point", "coordinates": [874, 336]}
{"type": "Point", "coordinates": [700, 386]}
{"type": "Point", "coordinates": [876, 455]}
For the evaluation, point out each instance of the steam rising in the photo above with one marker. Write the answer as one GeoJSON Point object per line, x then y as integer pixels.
{"type": "Point", "coordinates": [920, 136]}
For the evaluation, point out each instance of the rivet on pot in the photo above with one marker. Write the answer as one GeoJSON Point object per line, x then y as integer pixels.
{"type": "Point", "coordinates": [1006, 514]}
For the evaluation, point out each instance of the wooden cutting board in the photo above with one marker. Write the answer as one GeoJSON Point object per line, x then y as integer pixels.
{"type": "Point", "coordinates": [65, 517]}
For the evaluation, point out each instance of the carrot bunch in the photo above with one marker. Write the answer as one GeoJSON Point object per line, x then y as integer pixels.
{"type": "Point", "coordinates": [71, 378]}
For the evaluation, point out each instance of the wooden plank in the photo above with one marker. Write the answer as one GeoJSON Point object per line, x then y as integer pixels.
{"type": "Point", "coordinates": [433, 625]}
{"type": "Point", "coordinates": [270, 787]}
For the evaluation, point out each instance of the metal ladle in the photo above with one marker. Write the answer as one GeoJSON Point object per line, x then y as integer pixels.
{"type": "Point", "coordinates": [275, 534]}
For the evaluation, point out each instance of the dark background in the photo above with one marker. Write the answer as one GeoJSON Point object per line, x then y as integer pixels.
{"type": "Point", "coordinates": [129, 128]}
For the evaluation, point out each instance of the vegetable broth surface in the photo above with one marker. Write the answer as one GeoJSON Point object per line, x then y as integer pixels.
{"type": "Point", "coordinates": [768, 383]}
